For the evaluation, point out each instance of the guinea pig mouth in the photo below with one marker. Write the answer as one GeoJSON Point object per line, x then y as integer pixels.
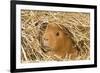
{"type": "Point", "coordinates": [47, 48]}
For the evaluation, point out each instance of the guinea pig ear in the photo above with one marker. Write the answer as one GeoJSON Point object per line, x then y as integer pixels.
{"type": "Point", "coordinates": [41, 24]}
{"type": "Point", "coordinates": [44, 25]}
{"type": "Point", "coordinates": [37, 23]}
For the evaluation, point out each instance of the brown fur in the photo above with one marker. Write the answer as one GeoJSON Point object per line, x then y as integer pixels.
{"type": "Point", "coordinates": [60, 44]}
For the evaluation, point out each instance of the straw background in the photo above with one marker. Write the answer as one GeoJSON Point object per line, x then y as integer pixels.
{"type": "Point", "coordinates": [33, 24]}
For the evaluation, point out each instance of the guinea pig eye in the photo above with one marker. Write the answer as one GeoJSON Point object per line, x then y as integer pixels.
{"type": "Point", "coordinates": [57, 34]}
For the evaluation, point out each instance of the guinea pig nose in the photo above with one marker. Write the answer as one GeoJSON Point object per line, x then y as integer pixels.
{"type": "Point", "coordinates": [45, 39]}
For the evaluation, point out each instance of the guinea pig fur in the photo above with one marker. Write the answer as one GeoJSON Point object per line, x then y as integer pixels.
{"type": "Point", "coordinates": [60, 44]}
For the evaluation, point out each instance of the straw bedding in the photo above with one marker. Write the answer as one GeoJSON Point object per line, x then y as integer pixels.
{"type": "Point", "coordinates": [33, 24]}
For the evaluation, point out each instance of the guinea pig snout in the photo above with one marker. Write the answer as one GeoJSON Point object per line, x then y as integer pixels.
{"type": "Point", "coordinates": [45, 39]}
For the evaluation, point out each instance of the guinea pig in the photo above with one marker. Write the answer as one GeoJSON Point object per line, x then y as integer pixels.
{"type": "Point", "coordinates": [58, 42]}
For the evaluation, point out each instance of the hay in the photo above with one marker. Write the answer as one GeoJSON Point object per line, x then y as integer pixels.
{"type": "Point", "coordinates": [33, 24]}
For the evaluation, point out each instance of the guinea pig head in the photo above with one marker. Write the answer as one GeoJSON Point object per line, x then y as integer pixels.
{"type": "Point", "coordinates": [55, 38]}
